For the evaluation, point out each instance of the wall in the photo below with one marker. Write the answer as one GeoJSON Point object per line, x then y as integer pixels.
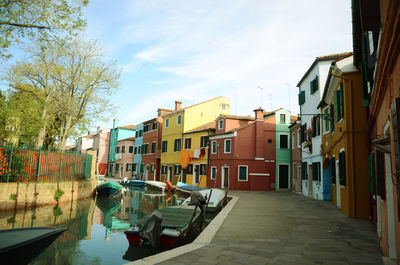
{"type": "Point", "coordinates": [282, 154]}
{"type": "Point", "coordinates": [137, 159]}
{"type": "Point", "coordinates": [296, 159]}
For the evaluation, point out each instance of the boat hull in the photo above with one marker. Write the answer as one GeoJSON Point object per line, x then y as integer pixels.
{"type": "Point", "coordinates": [135, 183]}
{"type": "Point", "coordinates": [29, 247]}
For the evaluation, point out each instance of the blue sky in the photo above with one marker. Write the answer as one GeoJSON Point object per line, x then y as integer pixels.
{"type": "Point", "coordinates": [196, 50]}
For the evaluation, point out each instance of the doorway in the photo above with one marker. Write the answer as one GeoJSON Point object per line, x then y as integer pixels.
{"type": "Point", "coordinates": [196, 174]}
{"type": "Point", "coordinates": [169, 173]}
{"type": "Point", "coordinates": [225, 177]}
{"type": "Point", "coordinates": [283, 176]}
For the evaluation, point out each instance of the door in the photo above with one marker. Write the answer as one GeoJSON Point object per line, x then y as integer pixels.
{"type": "Point", "coordinates": [390, 206]}
{"type": "Point", "coordinates": [310, 181]}
{"type": "Point", "coordinates": [327, 183]}
{"type": "Point", "coordinates": [283, 176]}
{"type": "Point", "coordinates": [121, 171]}
{"type": "Point", "coordinates": [196, 174]}
{"type": "Point", "coordinates": [225, 178]}
{"type": "Point", "coordinates": [146, 172]}
{"type": "Point", "coordinates": [338, 204]}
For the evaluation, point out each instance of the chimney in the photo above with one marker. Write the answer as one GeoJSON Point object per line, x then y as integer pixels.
{"type": "Point", "coordinates": [259, 133]}
{"type": "Point", "coordinates": [115, 123]}
{"type": "Point", "coordinates": [178, 105]}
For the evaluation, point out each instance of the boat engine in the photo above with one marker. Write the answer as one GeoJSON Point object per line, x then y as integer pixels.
{"type": "Point", "coordinates": [150, 230]}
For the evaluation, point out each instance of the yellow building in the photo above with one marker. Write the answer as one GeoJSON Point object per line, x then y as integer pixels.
{"type": "Point", "coordinates": [344, 139]}
{"type": "Point", "coordinates": [179, 122]}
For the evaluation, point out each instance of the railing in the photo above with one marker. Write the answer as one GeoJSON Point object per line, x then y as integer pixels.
{"type": "Point", "coordinates": [40, 165]}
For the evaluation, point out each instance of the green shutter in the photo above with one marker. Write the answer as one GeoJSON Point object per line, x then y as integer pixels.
{"type": "Point", "coordinates": [337, 118]}
{"type": "Point", "coordinates": [371, 173]}
{"type": "Point", "coordinates": [302, 97]}
{"type": "Point", "coordinates": [332, 117]}
{"type": "Point", "coordinates": [341, 101]}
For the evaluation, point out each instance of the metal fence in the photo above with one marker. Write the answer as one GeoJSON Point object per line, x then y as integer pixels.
{"type": "Point", "coordinates": [29, 165]}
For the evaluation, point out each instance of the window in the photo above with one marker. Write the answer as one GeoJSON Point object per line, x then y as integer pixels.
{"type": "Point", "coordinates": [326, 119]}
{"type": "Point", "coordinates": [188, 143]}
{"type": "Point", "coordinates": [283, 141]}
{"type": "Point", "coordinates": [203, 141]}
{"type": "Point", "coordinates": [316, 171]}
{"type": "Point", "coordinates": [304, 170]}
{"type": "Point", "coordinates": [145, 149]}
{"type": "Point", "coordinates": [213, 172]}
{"type": "Point", "coordinates": [342, 168]}
{"type": "Point", "coordinates": [164, 146]}
{"type": "Point", "coordinates": [293, 140]}
{"type": "Point", "coordinates": [227, 146]}
{"type": "Point", "coordinates": [117, 149]}
{"type": "Point", "coordinates": [223, 106]}
{"type": "Point", "coordinates": [333, 170]}
{"type": "Point", "coordinates": [315, 124]}
{"type": "Point", "coordinates": [153, 147]}
{"type": "Point", "coordinates": [137, 134]}
{"type": "Point", "coordinates": [177, 145]}
{"type": "Point", "coordinates": [141, 168]}
{"type": "Point", "coordinates": [298, 138]}
{"type": "Point", "coordinates": [179, 119]}
{"type": "Point", "coordinates": [123, 149]}
{"type": "Point", "coordinates": [146, 128]}
{"type": "Point", "coordinates": [135, 150]}
{"type": "Point", "coordinates": [164, 169]}
{"type": "Point", "coordinates": [314, 86]}
{"type": "Point", "coordinates": [302, 132]}
{"type": "Point", "coordinates": [166, 123]}
{"type": "Point", "coordinates": [117, 167]}
{"type": "Point", "coordinates": [154, 125]}
{"type": "Point", "coordinates": [242, 173]}
{"type": "Point", "coordinates": [282, 118]}
{"type": "Point", "coordinates": [129, 167]}
{"type": "Point", "coordinates": [134, 167]}
{"type": "Point", "coordinates": [213, 147]}
{"type": "Point", "coordinates": [130, 149]}
{"type": "Point", "coordinates": [190, 169]}
{"type": "Point", "coordinates": [332, 117]}
{"type": "Point", "coordinates": [270, 141]}
{"type": "Point", "coordinates": [220, 124]}
{"type": "Point", "coordinates": [339, 107]}
{"type": "Point", "coordinates": [302, 97]}
{"type": "Point", "coordinates": [177, 169]}
{"type": "Point", "coordinates": [203, 169]}
{"type": "Point", "coordinates": [140, 150]}
{"type": "Point", "coordinates": [152, 168]}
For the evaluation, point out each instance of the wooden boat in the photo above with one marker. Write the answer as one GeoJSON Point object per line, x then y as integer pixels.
{"type": "Point", "coordinates": [156, 184]}
{"type": "Point", "coordinates": [189, 188]}
{"type": "Point", "coordinates": [22, 245]}
{"type": "Point", "coordinates": [108, 188]}
{"type": "Point", "coordinates": [216, 199]}
{"type": "Point", "coordinates": [133, 182]}
{"type": "Point", "coordinates": [176, 226]}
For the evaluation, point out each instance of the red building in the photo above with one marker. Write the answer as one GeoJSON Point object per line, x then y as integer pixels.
{"type": "Point", "coordinates": [151, 154]}
{"type": "Point", "coordinates": [295, 156]}
{"type": "Point", "coordinates": [242, 152]}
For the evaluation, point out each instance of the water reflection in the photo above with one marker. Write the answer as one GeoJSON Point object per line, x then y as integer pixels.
{"type": "Point", "coordinates": [95, 226]}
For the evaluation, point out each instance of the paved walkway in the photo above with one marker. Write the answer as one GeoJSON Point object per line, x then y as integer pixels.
{"type": "Point", "coordinates": [281, 228]}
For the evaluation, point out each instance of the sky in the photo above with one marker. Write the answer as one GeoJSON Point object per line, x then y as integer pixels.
{"type": "Point", "coordinates": [251, 51]}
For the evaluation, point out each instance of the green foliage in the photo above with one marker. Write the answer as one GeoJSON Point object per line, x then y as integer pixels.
{"type": "Point", "coordinates": [41, 19]}
{"type": "Point", "coordinates": [13, 196]}
{"type": "Point", "coordinates": [58, 194]}
{"type": "Point", "coordinates": [57, 211]}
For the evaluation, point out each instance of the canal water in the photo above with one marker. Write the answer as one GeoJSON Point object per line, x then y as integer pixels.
{"type": "Point", "coordinates": [95, 226]}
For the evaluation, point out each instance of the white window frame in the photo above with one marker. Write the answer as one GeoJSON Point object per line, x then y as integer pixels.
{"type": "Point", "coordinates": [280, 141]}
{"type": "Point", "coordinates": [177, 120]}
{"type": "Point", "coordinates": [280, 118]}
{"type": "Point", "coordinates": [230, 145]}
{"type": "Point", "coordinates": [247, 173]}
{"type": "Point", "coordinates": [211, 177]}
{"type": "Point", "coordinates": [221, 124]}
{"type": "Point", "coordinates": [298, 138]}
{"type": "Point", "coordinates": [212, 145]}
{"type": "Point", "coordinates": [293, 139]}
{"type": "Point", "coordinates": [166, 123]}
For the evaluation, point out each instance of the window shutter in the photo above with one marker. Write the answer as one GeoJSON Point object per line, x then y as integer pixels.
{"type": "Point", "coordinates": [332, 117]}
{"type": "Point", "coordinates": [341, 102]}
{"type": "Point", "coordinates": [313, 127]}
{"type": "Point", "coordinates": [342, 168]}
{"type": "Point", "coordinates": [333, 170]}
{"type": "Point", "coordinates": [337, 106]}
{"type": "Point", "coordinates": [380, 174]}
{"type": "Point", "coordinates": [302, 97]}
{"type": "Point", "coordinates": [371, 173]}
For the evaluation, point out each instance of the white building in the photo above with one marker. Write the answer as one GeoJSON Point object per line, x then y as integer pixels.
{"type": "Point", "coordinates": [311, 87]}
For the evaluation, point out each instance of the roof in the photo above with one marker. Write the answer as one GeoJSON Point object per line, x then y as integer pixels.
{"type": "Point", "coordinates": [236, 117]}
{"type": "Point", "coordinates": [182, 109]}
{"type": "Point", "coordinates": [328, 57]}
{"type": "Point", "coordinates": [89, 136]}
{"type": "Point", "coordinates": [205, 127]}
{"type": "Point", "coordinates": [130, 127]}
{"type": "Point", "coordinates": [293, 118]}
{"type": "Point", "coordinates": [339, 66]}
{"type": "Point", "coordinates": [128, 139]}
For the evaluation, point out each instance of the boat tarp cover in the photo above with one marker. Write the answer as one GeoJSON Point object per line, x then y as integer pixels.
{"type": "Point", "coordinates": [150, 229]}
{"type": "Point", "coordinates": [110, 184]}
{"type": "Point", "coordinates": [174, 217]}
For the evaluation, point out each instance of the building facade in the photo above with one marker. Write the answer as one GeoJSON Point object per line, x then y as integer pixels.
{"type": "Point", "coordinates": [344, 139]}
{"type": "Point", "coordinates": [295, 158]}
{"type": "Point", "coordinates": [309, 97]}
{"type": "Point", "coordinates": [101, 143]}
{"type": "Point", "coordinates": [124, 158]}
{"type": "Point", "coordinates": [138, 150]}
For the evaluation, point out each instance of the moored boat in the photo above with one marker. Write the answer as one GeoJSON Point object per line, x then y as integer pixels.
{"type": "Point", "coordinates": [156, 184]}
{"type": "Point", "coordinates": [178, 224]}
{"type": "Point", "coordinates": [188, 188]}
{"type": "Point", "coordinates": [108, 188]}
{"type": "Point", "coordinates": [22, 245]}
{"type": "Point", "coordinates": [133, 182]}
{"type": "Point", "coordinates": [214, 202]}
